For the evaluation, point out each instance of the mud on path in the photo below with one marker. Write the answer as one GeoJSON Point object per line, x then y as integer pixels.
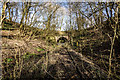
{"type": "Point", "coordinates": [55, 62]}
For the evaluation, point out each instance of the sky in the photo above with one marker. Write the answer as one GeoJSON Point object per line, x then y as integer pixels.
{"type": "Point", "coordinates": [66, 0]}
{"type": "Point", "coordinates": [63, 18]}
{"type": "Point", "coordinates": [63, 13]}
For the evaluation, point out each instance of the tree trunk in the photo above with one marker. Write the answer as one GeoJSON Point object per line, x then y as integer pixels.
{"type": "Point", "coordinates": [3, 13]}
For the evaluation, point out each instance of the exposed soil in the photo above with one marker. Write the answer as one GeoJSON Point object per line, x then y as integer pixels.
{"type": "Point", "coordinates": [36, 60]}
{"type": "Point", "coordinates": [59, 62]}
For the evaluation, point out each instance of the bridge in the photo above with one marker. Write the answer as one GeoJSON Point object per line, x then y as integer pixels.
{"type": "Point", "coordinates": [60, 36]}
{"type": "Point", "coordinates": [64, 38]}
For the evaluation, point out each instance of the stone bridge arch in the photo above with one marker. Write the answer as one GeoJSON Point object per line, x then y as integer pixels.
{"type": "Point", "coordinates": [58, 37]}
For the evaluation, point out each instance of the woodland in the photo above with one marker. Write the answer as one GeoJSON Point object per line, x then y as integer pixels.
{"type": "Point", "coordinates": [60, 40]}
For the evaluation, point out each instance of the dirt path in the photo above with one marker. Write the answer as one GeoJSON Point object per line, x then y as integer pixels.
{"type": "Point", "coordinates": [60, 62]}
{"type": "Point", "coordinates": [65, 63]}
{"type": "Point", "coordinates": [73, 64]}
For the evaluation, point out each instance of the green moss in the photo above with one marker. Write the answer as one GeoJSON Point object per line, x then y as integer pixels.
{"type": "Point", "coordinates": [8, 60]}
{"type": "Point", "coordinates": [40, 49]}
{"type": "Point", "coordinates": [28, 55]}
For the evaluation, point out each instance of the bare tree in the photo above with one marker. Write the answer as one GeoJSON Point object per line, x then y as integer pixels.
{"type": "Point", "coordinates": [25, 11]}
{"type": "Point", "coordinates": [3, 12]}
